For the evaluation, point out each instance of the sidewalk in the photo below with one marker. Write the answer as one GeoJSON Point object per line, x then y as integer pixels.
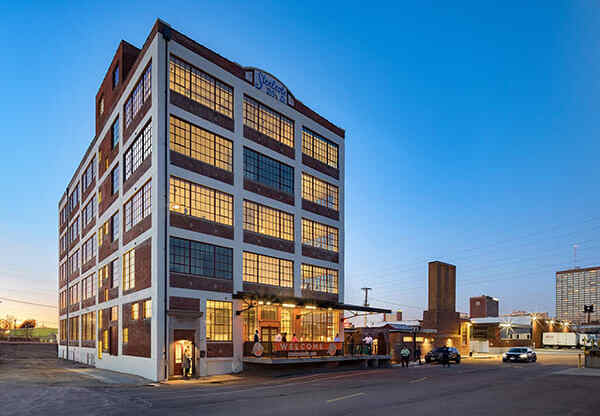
{"type": "Point", "coordinates": [110, 377]}
{"type": "Point", "coordinates": [593, 372]}
{"type": "Point", "coordinates": [218, 379]}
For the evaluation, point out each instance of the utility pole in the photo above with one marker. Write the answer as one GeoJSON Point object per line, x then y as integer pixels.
{"type": "Point", "coordinates": [366, 290]}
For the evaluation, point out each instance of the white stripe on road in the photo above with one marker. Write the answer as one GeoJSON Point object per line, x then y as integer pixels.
{"type": "Point", "coordinates": [419, 379]}
{"type": "Point", "coordinates": [345, 397]}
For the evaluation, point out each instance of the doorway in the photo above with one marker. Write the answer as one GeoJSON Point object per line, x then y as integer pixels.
{"type": "Point", "coordinates": [184, 341]}
{"type": "Point", "coordinates": [267, 336]}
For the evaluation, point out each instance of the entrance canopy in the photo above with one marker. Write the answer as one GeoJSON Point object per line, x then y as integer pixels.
{"type": "Point", "coordinates": [325, 304]}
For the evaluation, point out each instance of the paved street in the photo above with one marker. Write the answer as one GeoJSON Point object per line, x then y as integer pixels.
{"type": "Point", "coordinates": [474, 387]}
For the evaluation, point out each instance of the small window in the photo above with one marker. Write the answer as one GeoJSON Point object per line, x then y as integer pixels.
{"type": "Point", "coordinates": [135, 311]}
{"type": "Point", "coordinates": [115, 77]}
{"type": "Point", "coordinates": [125, 335]}
{"type": "Point", "coordinates": [115, 180]}
{"type": "Point", "coordinates": [114, 313]}
{"type": "Point", "coordinates": [115, 133]}
{"type": "Point", "coordinates": [101, 106]}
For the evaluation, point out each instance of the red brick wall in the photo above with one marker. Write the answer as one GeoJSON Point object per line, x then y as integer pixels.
{"type": "Point", "coordinates": [184, 304]}
{"type": "Point", "coordinates": [107, 197]}
{"type": "Point", "coordinates": [139, 331]}
{"type": "Point", "coordinates": [197, 224]}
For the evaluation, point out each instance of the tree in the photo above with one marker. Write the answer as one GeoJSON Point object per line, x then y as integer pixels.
{"type": "Point", "coordinates": [28, 323]}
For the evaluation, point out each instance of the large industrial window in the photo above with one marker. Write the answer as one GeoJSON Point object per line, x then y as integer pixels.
{"type": "Point", "coordinates": [269, 221]}
{"type": "Point", "coordinates": [139, 206]}
{"type": "Point", "coordinates": [141, 93]}
{"type": "Point", "coordinates": [250, 323]}
{"type": "Point", "coordinates": [200, 259]}
{"type": "Point", "coordinates": [140, 150]}
{"type": "Point", "coordinates": [286, 323]}
{"type": "Point", "coordinates": [268, 122]}
{"type": "Point", "coordinates": [200, 87]}
{"type": "Point", "coordinates": [267, 171]}
{"type": "Point", "coordinates": [199, 201]}
{"type": "Point", "coordinates": [319, 148]}
{"type": "Point", "coordinates": [129, 269]}
{"type": "Point", "coordinates": [319, 279]}
{"type": "Point", "coordinates": [200, 144]}
{"type": "Point", "coordinates": [218, 321]}
{"type": "Point", "coordinates": [89, 175]}
{"type": "Point", "coordinates": [319, 326]}
{"type": "Point", "coordinates": [319, 235]}
{"type": "Point", "coordinates": [319, 192]}
{"type": "Point", "coordinates": [88, 213]}
{"type": "Point", "coordinates": [268, 270]}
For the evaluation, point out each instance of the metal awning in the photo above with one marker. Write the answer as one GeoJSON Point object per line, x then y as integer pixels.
{"type": "Point", "coordinates": [305, 302]}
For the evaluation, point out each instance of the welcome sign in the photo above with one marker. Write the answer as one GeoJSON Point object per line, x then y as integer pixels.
{"type": "Point", "coordinates": [270, 86]}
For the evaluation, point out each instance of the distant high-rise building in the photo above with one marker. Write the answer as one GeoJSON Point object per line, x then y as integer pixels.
{"type": "Point", "coordinates": [574, 289]}
{"type": "Point", "coordinates": [483, 306]}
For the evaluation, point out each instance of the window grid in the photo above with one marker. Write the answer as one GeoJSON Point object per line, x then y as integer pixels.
{"type": "Point", "coordinates": [129, 270]}
{"type": "Point", "coordinates": [139, 206]}
{"type": "Point", "coordinates": [200, 259]}
{"type": "Point", "coordinates": [267, 171]}
{"type": "Point", "coordinates": [140, 150]}
{"type": "Point", "coordinates": [268, 221]}
{"type": "Point", "coordinates": [319, 192]}
{"type": "Point", "coordinates": [269, 122]}
{"type": "Point", "coordinates": [319, 148]}
{"type": "Point", "coordinates": [268, 270]}
{"type": "Point", "coordinates": [200, 144]}
{"type": "Point", "coordinates": [319, 279]}
{"type": "Point", "coordinates": [319, 235]}
{"type": "Point", "coordinates": [218, 321]}
{"type": "Point", "coordinates": [141, 93]}
{"type": "Point", "coordinates": [199, 201]}
{"type": "Point", "coordinates": [200, 87]}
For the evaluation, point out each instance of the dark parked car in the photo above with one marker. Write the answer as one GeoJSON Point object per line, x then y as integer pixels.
{"type": "Point", "coordinates": [519, 354]}
{"type": "Point", "coordinates": [436, 355]}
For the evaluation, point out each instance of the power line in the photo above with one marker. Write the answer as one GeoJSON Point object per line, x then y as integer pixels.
{"type": "Point", "coordinates": [28, 303]}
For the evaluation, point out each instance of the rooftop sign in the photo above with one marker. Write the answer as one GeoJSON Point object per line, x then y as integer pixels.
{"type": "Point", "coordinates": [270, 86]}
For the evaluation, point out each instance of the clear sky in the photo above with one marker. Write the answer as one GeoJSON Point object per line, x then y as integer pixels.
{"type": "Point", "coordinates": [471, 132]}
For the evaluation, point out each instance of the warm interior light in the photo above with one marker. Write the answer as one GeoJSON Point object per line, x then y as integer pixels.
{"type": "Point", "coordinates": [311, 307]}
{"type": "Point", "coordinates": [288, 305]}
{"type": "Point", "coordinates": [268, 303]}
{"type": "Point", "coordinates": [260, 302]}
{"type": "Point", "coordinates": [330, 308]}
{"type": "Point", "coordinates": [175, 206]}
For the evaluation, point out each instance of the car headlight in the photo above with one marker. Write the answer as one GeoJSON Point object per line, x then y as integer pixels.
{"type": "Point", "coordinates": [523, 355]}
{"type": "Point", "coordinates": [504, 355]}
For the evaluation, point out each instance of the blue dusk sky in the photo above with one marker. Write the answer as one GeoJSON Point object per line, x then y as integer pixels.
{"type": "Point", "coordinates": [471, 132]}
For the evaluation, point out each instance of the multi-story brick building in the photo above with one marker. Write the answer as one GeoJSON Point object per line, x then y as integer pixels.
{"type": "Point", "coordinates": [576, 288]}
{"type": "Point", "coordinates": [209, 204]}
{"type": "Point", "coordinates": [483, 306]}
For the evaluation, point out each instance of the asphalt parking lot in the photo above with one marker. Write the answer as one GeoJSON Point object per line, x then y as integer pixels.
{"type": "Point", "coordinates": [475, 387]}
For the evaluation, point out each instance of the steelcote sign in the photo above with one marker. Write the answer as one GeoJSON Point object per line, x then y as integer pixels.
{"type": "Point", "coordinates": [270, 86]}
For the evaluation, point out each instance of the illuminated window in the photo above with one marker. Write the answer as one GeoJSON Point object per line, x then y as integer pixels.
{"type": "Point", "coordinates": [199, 201]}
{"type": "Point", "coordinates": [101, 106]}
{"type": "Point", "coordinates": [319, 148]}
{"type": "Point", "coordinates": [319, 235]}
{"type": "Point", "coordinates": [269, 221]}
{"type": "Point", "coordinates": [250, 324]}
{"type": "Point", "coordinates": [102, 231]}
{"type": "Point", "coordinates": [115, 272]}
{"type": "Point", "coordinates": [200, 87]}
{"type": "Point", "coordinates": [319, 279]}
{"type": "Point", "coordinates": [268, 122]}
{"type": "Point", "coordinates": [319, 192]}
{"type": "Point", "coordinates": [105, 343]}
{"type": "Point", "coordinates": [88, 250]}
{"type": "Point", "coordinates": [140, 150]}
{"type": "Point", "coordinates": [147, 309]}
{"type": "Point", "coordinates": [141, 93]}
{"type": "Point", "coordinates": [268, 313]}
{"type": "Point", "coordinates": [286, 322]}
{"type": "Point", "coordinates": [319, 326]}
{"type": "Point", "coordinates": [268, 270]}
{"type": "Point", "coordinates": [200, 144]}
{"type": "Point", "coordinates": [267, 171]}
{"type": "Point", "coordinates": [125, 335]}
{"type": "Point", "coordinates": [200, 259]}
{"type": "Point", "coordinates": [135, 311]}
{"type": "Point", "coordinates": [218, 321]}
{"type": "Point", "coordinates": [139, 206]}
{"type": "Point", "coordinates": [129, 270]}
{"type": "Point", "coordinates": [114, 313]}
